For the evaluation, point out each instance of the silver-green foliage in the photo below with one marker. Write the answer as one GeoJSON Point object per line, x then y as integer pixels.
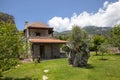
{"type": "Point", "coordinates": [78, 47]}
{"type": "Point", "coordinates": [115, 36]}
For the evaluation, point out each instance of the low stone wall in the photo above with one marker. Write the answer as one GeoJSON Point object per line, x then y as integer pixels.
{"type": "Point", "coordinates": [114, 50]}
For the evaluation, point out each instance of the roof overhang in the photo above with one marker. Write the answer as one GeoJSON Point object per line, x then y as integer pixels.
{"type": "Point", "coordinates": [31, 27]}
{"type": "Point", "coordinates": [48, 40]}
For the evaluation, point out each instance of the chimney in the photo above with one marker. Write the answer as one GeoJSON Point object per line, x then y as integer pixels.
{"type": "Point", "coordinates": [26, 24]}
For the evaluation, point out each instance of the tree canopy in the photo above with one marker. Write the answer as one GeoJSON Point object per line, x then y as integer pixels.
{"type": "Point", "coordinates": [11, 42]}
{"type": "Point", "coordinates": [97, 41]}
{"type": "Point", "coordinates": [115, 36]}
{"type": "Point", "coordinates": [78, 48]}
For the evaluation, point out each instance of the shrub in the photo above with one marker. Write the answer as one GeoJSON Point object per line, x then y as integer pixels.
{"type": "Point", "coordinates": [6, 64]}
{"type": "Point", "coordinates": [0, 73]}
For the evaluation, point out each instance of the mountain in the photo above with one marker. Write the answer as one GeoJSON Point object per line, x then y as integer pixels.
{"type": "Point", "coordinates": [92, 30]}
{"type": "Point", "coordinates": [65, 33]}
{"type": "Point", "coordinates": [6, 17]}
{"type": "Point", "coordinates": [97, 30]}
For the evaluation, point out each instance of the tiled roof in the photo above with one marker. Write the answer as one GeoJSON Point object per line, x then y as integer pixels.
{"type": "Point", "coordinates": [37, 25]}
{"type": "Point", "coordinates": [47, 40]}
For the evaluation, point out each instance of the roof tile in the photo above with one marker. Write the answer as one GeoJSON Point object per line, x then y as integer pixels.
{"type": "Point", "coordinates": [37, 24]}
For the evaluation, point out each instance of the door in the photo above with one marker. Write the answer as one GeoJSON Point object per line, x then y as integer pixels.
{"type": "Point", "coordinates": [42, 51]}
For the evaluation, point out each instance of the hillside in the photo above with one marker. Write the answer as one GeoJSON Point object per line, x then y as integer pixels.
{"type": "Point", "coordinates": [89, 29]}
{"type": "Point", "coordinates": [97, 30]}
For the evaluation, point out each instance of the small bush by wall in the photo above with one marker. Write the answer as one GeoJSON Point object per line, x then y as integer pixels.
{"type": "Point", "coordinates": [6, 64]}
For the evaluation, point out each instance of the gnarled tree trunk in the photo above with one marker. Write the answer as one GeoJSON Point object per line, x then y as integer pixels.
{"type": "Point", "coordinates": [79, 57]}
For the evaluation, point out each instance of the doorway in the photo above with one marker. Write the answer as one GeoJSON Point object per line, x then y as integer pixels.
{"type": "Point", "coordinates": [42, 51]}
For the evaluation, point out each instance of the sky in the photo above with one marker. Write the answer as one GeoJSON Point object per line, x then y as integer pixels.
{"type": "Point", "coordinates": [63, 14]}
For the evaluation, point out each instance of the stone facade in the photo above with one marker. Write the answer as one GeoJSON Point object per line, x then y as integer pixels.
{"type": "Point", "coordinates": [50, 51]}
{"type": "Point", "coordinates": [43, 33]}
{"type": "Point", "coordinates": [43, 46]}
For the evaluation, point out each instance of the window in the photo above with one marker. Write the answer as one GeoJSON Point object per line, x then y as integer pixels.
{"type": "Point", "coordinates": [37, 34]}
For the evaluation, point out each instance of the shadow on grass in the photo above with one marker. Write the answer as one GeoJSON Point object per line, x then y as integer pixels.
{"type": "Point", "coordinates": [103, 59]}
{"type": "Point", "coordinates": [97, 55]}
{"type": "Point", "coordinates": [10, 78]}
{"type": "Point", "coordinates": [117, 54]}
{"type": "Point", "coordinates": [89, 66]}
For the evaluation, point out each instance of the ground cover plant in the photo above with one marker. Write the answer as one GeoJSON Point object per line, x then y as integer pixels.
{"type": "Point", "coordinates": [97, 69]}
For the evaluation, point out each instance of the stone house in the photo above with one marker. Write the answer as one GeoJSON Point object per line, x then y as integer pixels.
{"type": "Point", "coordinates": [43, 45]}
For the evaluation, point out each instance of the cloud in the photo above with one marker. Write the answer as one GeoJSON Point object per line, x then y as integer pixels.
{"type": "Point", "coordinates": [59, 24]}
{"type": "Point", "coordinates": [105, 5]}
{"type": "Point", "coordinates": [107, 16]}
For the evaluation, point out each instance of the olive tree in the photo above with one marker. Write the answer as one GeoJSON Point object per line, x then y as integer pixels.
{"type": "Point", "coordinates": [78, 48]}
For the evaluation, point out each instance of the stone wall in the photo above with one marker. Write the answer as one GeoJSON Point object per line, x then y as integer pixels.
{"type": "Point", "coordinates": [56, 50]}
{"type": "Point", "coordinates": [48, 54]}
{"type": "Point", "coordinates": [36, 51]}
{"type": "Point", "coordinates": [43, 33]}
{"type": "Point", "coordinates": [51, 50]}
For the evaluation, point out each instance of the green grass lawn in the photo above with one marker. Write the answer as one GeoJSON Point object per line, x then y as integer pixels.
{"type": "Point", "coordinates": [108, 69]}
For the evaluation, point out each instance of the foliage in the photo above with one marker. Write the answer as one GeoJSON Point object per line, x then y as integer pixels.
{"type": "Point", "coordinates": [7, 63]}
{"type": "Point", "coordinates": [91, 30]}
{"type": "Point", "coordinates": [11, 45]}
{"type": "Point", "coordinates": [77, 36]}
{"type": "Point", "coordinates": [63, 37]}
{"type": "Point", "coordinates": [97, 30]}
{"type": "Point", "coordinates": [97, 41]}
{"type": "Point", "coordinates": [12, 42]}
{"type": "Point", "coordinates": [78, 48]}
{"type": "Point", "coordinates": [103, 49]}
{"type": "Point", "coordinates": [0, 73]}
{"type": "Point", "coordinates": [25, 46]}
{"type": "Point", "coordinates": [115, 36]}
{"type": "Point", "coordinates": [8, 38]}
{"type": "Point", "coordinates": [59, 70]}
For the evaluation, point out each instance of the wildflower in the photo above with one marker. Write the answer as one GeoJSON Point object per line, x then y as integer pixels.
{"type": "Point", "coordinates": [44, 77]}
{"type": "Point", "coordinates": [46, 71]}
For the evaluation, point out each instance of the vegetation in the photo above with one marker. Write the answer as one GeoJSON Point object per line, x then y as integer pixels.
{"type": "Point", "coordinates": [59, 70]}
{"type": "Point", "coordinates": [78, 48]}
{"type": "Point", "coordinates": [97, 41]}
{"type": "Point", "coordinates": [62, 35]}
{"type": "Point", "coordinates": [11, 43]}
{"type": "Point", "coordinates": [115, 36]}
{"type": "Point", "coordinates": [91, 30]}
{"type": "Point", "coordinates": [13, 47]}
{"type": "Point", "coordinates": [103, 49]}
{"type": "Point", "coordinates": [97, 30]}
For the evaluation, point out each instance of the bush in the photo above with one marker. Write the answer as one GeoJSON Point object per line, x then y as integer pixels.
{"type": "Point", "coordinates": [6, 64]}
{"type": "Point", "coordinates": [36, 60]}
{"type": "Point", "coordinates": [92, 48]}
{"type": "Point", "coordinates": [0, 73]}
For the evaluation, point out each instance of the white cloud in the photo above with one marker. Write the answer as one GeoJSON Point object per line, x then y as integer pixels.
{"type": "Point", "coordinates": [105, 17]}
{"type": "Point", "coordinates": [105, 5]}
{"type": "Point", "coordinates": [60, 24]}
